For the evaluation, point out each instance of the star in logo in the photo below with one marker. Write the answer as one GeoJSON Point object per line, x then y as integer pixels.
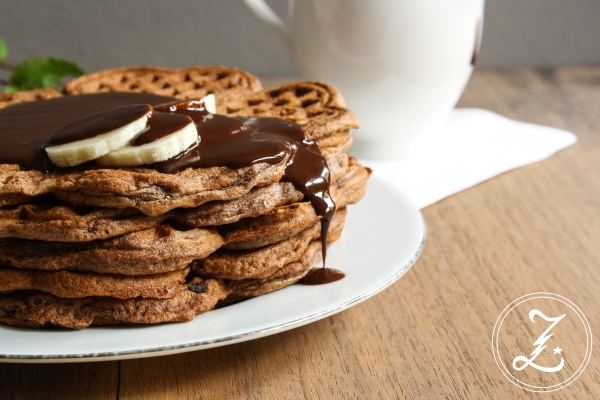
{"type": "Point", "coordinates": [557, 350]}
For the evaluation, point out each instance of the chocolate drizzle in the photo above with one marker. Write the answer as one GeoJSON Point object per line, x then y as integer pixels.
{"type": "Point", "coordinates": [26, 127]}
{"type": "Point", "coordinates": [161, 124]}
{"type": "Point", "coordinates": [231, 142]}
{"type": "Point", "coordinates": [25, 130]}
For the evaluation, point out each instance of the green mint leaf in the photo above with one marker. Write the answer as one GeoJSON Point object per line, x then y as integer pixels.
{"type": "Point", "coordinates": [42, 72]}
{"type": "Point", "coordinates": [10, 89]}
{"type": "Point", "coordinates": [3, 50]}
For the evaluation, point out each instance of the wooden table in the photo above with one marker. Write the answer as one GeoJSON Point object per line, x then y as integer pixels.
{"type": "Point", "coordinates": [428, 335]}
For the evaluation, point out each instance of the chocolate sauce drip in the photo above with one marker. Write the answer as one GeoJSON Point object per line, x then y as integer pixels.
{"type": "Point", "coordinates": [25, 130]}
{"type": "Point", "coordinates": [309, 173]}
{"type": "Point", "coordinates": [237, 142]}
{"type": "Point", "coordinates": [321, 276]}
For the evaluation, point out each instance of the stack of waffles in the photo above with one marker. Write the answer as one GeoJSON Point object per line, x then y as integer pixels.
{"type": "Point", "coordinates": [92, 245]}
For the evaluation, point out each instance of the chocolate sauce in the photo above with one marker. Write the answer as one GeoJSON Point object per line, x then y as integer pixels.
{"type": "Point", "coordinates": [25, 130]}
{"type": "Point", "coordinates": [25, 127]}
{"type": "Point", "coordinates": [161, 124]}
{"type": "Point", "coordinates": [99, 123]}
{"type": "Point", "coordinates": [231, 142]}
{"type": "Point", "coordinates": [321, 276]}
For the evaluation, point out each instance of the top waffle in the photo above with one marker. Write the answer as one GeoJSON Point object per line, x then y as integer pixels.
{"type": "Point", "coordinates": [7, 99]}
{"type": "Point", "coordinates": [187, 83]}
{"type": "Point", "coordinates": [317, 107]}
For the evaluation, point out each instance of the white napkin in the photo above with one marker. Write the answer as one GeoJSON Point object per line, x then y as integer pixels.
{"type": "Point", "coordinates": [472, 146]}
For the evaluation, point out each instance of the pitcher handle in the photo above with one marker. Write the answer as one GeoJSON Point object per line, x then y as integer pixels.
{"type": "Point", "coordinates": [273, 23]}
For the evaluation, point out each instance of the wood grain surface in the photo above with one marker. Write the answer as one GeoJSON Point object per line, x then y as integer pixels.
{"type": "Point", "coordinates": [534, 229]}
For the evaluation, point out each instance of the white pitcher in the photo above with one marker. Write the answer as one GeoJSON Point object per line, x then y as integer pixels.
{"type": "Point", "coordinates": [401, 65]}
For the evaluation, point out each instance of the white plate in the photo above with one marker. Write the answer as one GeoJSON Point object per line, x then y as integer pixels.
{"type": "Point", "coordinates": [383, 237]}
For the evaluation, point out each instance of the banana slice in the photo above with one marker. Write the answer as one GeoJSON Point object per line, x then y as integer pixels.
{"type": "Point", "coordinates": [210, 103]}
{"type": "Point", "coordinates": [105, 132]}
{"type": "Point", "coordinates": [156, 151]}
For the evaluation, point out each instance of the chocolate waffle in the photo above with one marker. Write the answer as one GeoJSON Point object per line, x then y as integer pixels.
{"type": "Point", "coordinates": [262, 262]}
{"type": "Point", "coordinates": [7, 99]}
{"type": "Point", "coordinates": [316, 107]}
{"type": "Point", "coordinates": [68, 284]}
{"type": "Point", "coordinates": [52, 221]}
{"type": "Point", "coordinates": [285, 276]}
{"type": "Point", "coordinates": [91, 245]}
{"type": "Point", "coordinates": [35, 310]}
{"type": "Point", "coordinates": [150, 251]}
{"type": "Point", "coordinates": [186, 83]}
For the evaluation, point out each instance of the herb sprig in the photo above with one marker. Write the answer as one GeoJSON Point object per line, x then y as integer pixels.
{"type": "Point", "coordinates": [36, 72]}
